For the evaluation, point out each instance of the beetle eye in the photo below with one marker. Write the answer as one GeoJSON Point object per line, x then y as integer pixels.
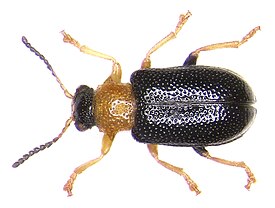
{"type": "Point", "coordinates": [83, 108]}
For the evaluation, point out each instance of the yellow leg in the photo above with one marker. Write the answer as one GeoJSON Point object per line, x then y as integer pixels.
{"type": "Point", "coordinates": [154, 152]}
{"type": "Point", "coordinates": [106, 145]}
{"type": "Point", "coordinates": [192, 58]}
{"type": "Point", "coordinates": [251, 178]}
{"type": "Point", "coordinates": [182, 20]}
{"type": "Point", "coordinates": [116, 69]}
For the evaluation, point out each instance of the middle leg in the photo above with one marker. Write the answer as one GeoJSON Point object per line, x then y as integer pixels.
{"type": "Point", "coordinates": [146, 63]}
{"type": "Point", "coordinates": [153, 149]}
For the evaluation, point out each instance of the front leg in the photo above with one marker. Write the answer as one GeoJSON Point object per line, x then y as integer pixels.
{"type": "Point", "coordinates": [106, 145]}
{"type": "Point", "coordinates": [116, 69]}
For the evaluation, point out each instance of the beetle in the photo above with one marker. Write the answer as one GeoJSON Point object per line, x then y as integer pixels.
{"type": "Point", "coordinates": [189, 106]}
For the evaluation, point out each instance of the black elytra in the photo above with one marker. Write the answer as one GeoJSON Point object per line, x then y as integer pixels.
{"type": "Point", "coordinates": [191, 106]}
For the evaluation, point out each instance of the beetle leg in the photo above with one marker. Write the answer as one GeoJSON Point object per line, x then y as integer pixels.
{"type": "Point", "coordinates": [106, 145]}
{"type": "Point", "coordinates": [116, 69]}
{"type": "Point", "coordinates": [146, 63]}
{"type": "Point", "coordinates": [251, 178]}
{"type": "Point", "coordinates": [192, 58]}
{"type": "Point", "coordinates": [153, 149]}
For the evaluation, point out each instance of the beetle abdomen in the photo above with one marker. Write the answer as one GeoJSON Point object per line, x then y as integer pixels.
{"type": "Point", "coordinates": [191, 106]}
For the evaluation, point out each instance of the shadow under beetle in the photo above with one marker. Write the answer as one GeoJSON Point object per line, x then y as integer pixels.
{"type": "Point", "coordinates": [190, 105]}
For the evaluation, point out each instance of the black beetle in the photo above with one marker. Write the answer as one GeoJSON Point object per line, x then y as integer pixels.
{"type": "Point", "coordinates": [189, 105]}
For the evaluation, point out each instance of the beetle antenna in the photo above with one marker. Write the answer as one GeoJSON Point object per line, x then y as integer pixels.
{"type": "Point", "coordinates": [32, 49]}
{"type": "Point", "coordinates": [43, 146]}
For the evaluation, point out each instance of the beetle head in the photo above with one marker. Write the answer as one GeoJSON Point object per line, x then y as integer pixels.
{"type": "Point", "coordinates": [83, 108]}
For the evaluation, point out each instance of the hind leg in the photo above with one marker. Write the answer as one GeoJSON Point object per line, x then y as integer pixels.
{"type": "Point", "coordinates": [251, 178]}
{"type": "Point", "coordinates": [192, 58]}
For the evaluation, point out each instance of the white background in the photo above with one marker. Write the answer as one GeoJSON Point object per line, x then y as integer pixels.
{"type": "Point", "coordinates": [34, 108]}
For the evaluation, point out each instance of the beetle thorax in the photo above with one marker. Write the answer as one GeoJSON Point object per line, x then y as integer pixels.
{"type": "Point", "coordinates": [114, 107]}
